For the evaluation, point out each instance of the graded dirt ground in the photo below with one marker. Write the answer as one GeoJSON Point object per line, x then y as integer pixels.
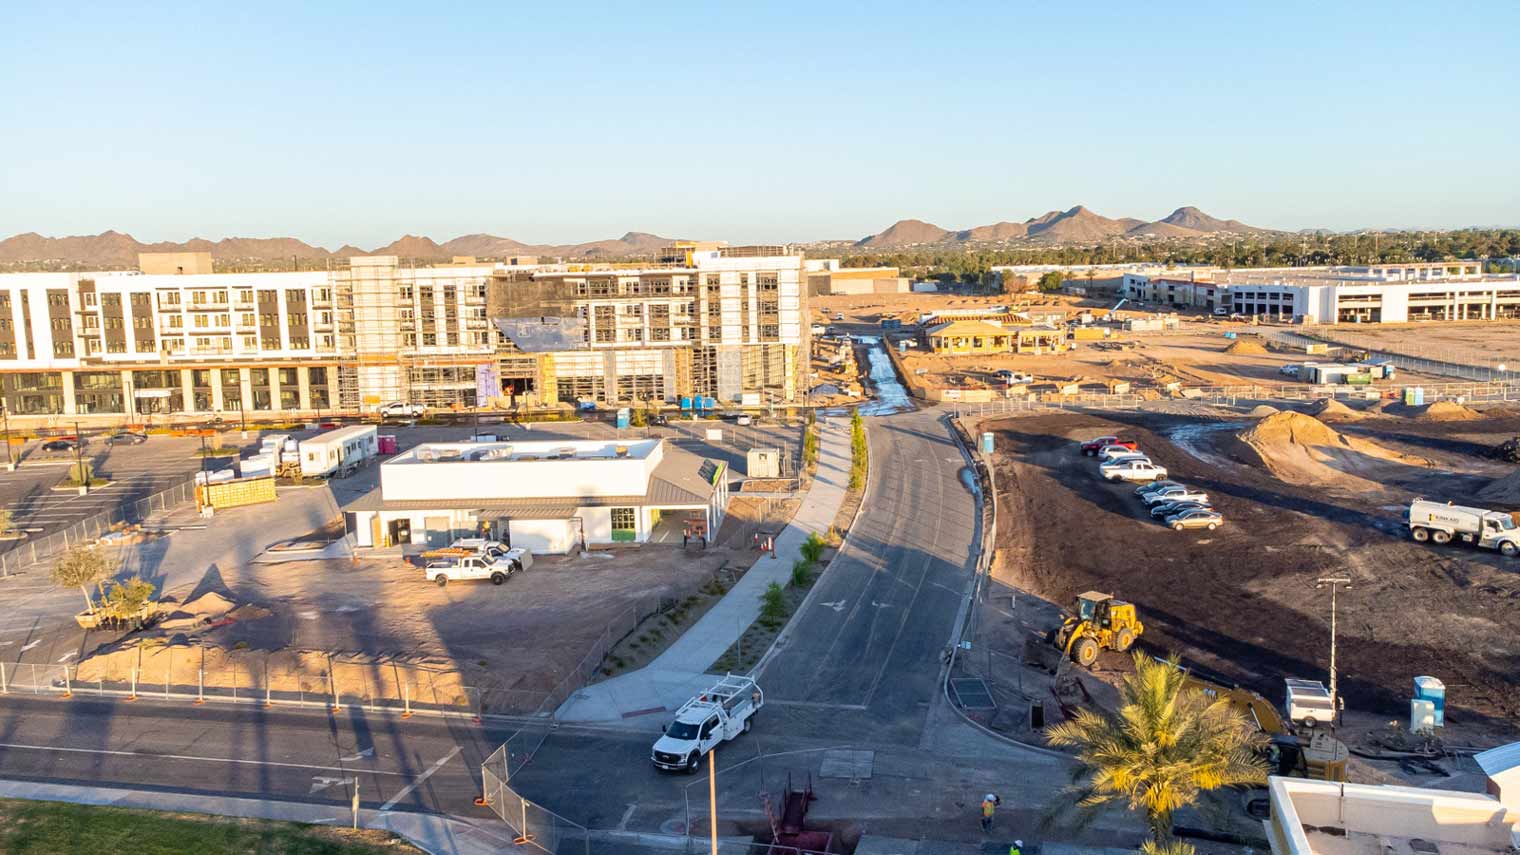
{"type": "Point", "coordinates": [1241, 602]}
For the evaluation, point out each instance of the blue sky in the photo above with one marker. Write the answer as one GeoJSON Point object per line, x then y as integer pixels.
{"type": "Point", "coordinates": [354, 123]}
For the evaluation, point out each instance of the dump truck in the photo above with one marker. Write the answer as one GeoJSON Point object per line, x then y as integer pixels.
{"type": "Point", "coordinates": [1100, 622]}
{"type": "Point", "coordinates": [716, 715]}
{"type": "Point", "coordinates": [1444, 523]}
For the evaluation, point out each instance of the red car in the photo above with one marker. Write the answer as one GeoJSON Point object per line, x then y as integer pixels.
{"type": "Point", "coordinates": [1095, 445]}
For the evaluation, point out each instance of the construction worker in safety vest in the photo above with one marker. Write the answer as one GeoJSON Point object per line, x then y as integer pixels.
{"type": "Point", "coordinates": [1017, 848]}
{"type": "Point", "coordinates": [989, 807]}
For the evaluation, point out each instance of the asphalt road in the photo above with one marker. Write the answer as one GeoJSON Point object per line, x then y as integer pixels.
{"type": "Point", "coordinates": [866, 656]}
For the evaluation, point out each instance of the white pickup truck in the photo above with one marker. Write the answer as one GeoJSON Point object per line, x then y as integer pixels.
{"type": "Point", "coordinates": [1132, 470]}
{"type": "Point", "coordinates": [478, 567]}
{"type": "Point", "coordinates": [1443, 522]}
{"type": "Point", "coordinates": [716, 715]}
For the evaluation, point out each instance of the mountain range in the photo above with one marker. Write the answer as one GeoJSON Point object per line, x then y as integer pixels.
{"type": "Point", "coordinates": [1076, 225]}
{"type": "Point", "coordinates": [115, 249]}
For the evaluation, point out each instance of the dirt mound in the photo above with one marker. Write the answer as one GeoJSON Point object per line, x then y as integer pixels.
{"type": "Point", "coordinates": [1503, 491]}
{"type": "Point", "coordinates": [1301, 449]}
{"type": "Point", "coordinates": [1446, 411]}
{"type": "Point", "coordinates": [1261, 411]}
{"type": "Point", "coordinates": [1246, 346]}
{"type": "Point", "coordinates": [1329, 409]}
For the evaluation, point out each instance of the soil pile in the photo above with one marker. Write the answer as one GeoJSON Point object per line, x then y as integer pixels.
{"type": "Point", "coordinates": [1301, 449]}
{"type": "Point", "coordinates": [1246, 346]}
{"type": "Point", "coordinates": [1330, 410]}
{"type": "Point", "coordinates": [1503, 491]}
{"type": "Point", "coordinates": [1446, 411]}
{"type": "Point", "coordinates": [1261, 411]}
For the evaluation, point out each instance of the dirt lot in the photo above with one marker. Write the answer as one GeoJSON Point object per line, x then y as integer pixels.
{"type": "Point", "coordinates": [1240, 602]}
{"type": "Point", "coordinates": [1147, 362]}
{"type": "Point", "coordinates": [1478, 342]}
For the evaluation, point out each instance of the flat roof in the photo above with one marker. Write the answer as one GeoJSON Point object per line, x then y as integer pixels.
{"type": "Point", "coordinates": [543, 450]}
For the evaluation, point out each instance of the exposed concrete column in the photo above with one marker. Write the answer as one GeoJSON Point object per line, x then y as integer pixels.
{"type": "Point", "coordinates": [245, 389]}
{"type": "Point", "coordinates": [303, 383]}
{"type": "Point", "coordinates": [128, 395]}
{"type": "Point", "coordinates": [216, 390]}
{"type": "Point", "coordinates": [70, 406]}
{"type": "Point", "coordinates": [187, 390]}
{"type": "Point", "coordinates": [274, 388]}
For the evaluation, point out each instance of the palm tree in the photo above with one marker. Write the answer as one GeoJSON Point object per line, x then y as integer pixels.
{"type": "Point", "coordinates": [1167, 745]}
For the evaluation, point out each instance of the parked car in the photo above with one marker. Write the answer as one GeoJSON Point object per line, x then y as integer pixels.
{"type": "Point", "coordinates": [401, 409]}
{"type": "Point", "coordinates": [1092, 446]}
{"type": "Point", "coordinates": [1221, 312]}
{"type": "Point", "coordinates": [838, 316]}
{"type": "Point", "coordinates": [477, 567]}
{"type": "Point", "coordinates": [659, 420]}
{"type": "Point", "coordinates": [1165, 509]}
{"type": "Point", "coordinates": [1155, 485]}
{"type": "Point", "coordinates": [1178, 493]}
{"type": "Point", "coordinates": [744, 419]}
{"type": "Point", "coordinates": [1124, 458]}
{"type": "Point", "coordinates": [1012, 377]}
{"type": "Point", "coordinates": [126, 437]}
{"type": "Point", "coordinates": [1206, 518]}
{"type": "Point", "coordinates": [1133, 470]}
{"type": "Point", "coordinates": [1290, 370]}
{"type": "Point", "coordinates": [818, 329]}
{"type": "Point", "coordinates": [65, 444]}
{"type": "Point", "coordinates": [1117, 449]}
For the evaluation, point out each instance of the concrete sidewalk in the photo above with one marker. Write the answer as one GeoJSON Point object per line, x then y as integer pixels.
{"type": "Point", "coordinates": [431, 832]}
{"type": "Point", "coordinates": [681, 671]}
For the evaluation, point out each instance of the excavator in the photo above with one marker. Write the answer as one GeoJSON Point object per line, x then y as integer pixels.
{"type": "Point", "coordinates": [1322, 759]}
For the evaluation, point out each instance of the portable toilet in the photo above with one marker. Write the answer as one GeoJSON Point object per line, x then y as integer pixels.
{"type": "Point", "coordinates": [986, 442]}
{"type": "Point", "coordinates": [386, 443]}
{"type": "Point", "coordinates": [624, 416]}
{"type": "Point", "coordinates": [1422, 716]}
{"type": "Point", "coordinates": [1414, 396]}
{"type": "Point", "coordinates": [1433, 690]}
{"type": "Point", "coordinates": [685, 402]}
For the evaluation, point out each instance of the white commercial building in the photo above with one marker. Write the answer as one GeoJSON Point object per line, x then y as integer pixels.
{"type": "Point", "coordinates": [1387, 293]}
{"type": "Point", "coordinates": [547, 496]}
{"type": "Point", "coordinates": [1332, 818]}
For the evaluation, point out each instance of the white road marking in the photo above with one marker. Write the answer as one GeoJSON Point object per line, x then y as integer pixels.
{"type": "Point", "coordinates": [368, 752]}
{"type": "Point", "coordinates": [836, 606]}
{"type": "Point", "coordinates": [416, 782]}
{"type": "Point", "coordinates": [153, 755]}
{"type": "Point", "coordinates": [627, 815]}
{"type": "Point", "coordinates": [67, 656]}
{"type": "Point", "coordinates": [30, 646]}
{"type": "Point", "coordinates": [319, 783]}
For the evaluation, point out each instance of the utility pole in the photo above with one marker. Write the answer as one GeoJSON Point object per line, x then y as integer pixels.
{"type": "Point", "coordinates": [5, 413]}
{"type": "Point", "coordinates": [712, 797]}
{"type": "Point", "coordinates": [1333, 583]}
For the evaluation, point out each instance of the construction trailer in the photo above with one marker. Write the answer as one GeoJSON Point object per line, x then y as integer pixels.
{"type": "Point", "coordinates": [336, 451]}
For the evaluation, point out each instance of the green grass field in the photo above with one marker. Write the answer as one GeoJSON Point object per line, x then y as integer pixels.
{"type": "Point", "coordinates": [51, 828]}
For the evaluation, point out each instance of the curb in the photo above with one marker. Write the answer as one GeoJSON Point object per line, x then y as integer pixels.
{"type": "Point", "coordinates": [786, 631]}
{"type": "Point", "coordinates": [984, 495]}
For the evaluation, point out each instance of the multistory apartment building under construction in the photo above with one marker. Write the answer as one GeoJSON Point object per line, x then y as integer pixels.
{"type": "Point", "coordinates": [727, 323]}
{"type": "Point", "coordinates": [722, 322]}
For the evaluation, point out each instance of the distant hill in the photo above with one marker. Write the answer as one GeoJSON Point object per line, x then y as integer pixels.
{"type": "Point", "coordinates": [114, 249]}
{"type": "Point", "coordinates": [906, 233]}
{"type": "Point", "coordinates": [1075, 225]}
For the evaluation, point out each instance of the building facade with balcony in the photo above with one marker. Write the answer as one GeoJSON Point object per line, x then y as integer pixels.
{"type": "Point", "coordinates": [722, 322]}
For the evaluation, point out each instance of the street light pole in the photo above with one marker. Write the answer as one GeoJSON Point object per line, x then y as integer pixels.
{"type": "Point", "coordinates": [84, 477]}
{"type": "Point", "coordinates": [1333, 582]}
{"type": "Point", "coordinates": [5, 413]}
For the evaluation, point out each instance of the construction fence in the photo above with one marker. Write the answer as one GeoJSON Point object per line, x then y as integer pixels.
{"type": "Point", "coordinates": [1453, 361]}
{"type": "Point", "coordinates": [534, 826]}
{"type": "Point", "coordinates": [621, 625]}
{"type": "Point", "coordinates": [28, 552]}
{"type": "Point", "coordinates": [181, 673]}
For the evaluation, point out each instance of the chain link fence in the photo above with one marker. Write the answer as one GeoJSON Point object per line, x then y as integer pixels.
{"type": "Point", "coordinates": [29, 552]}
{"type": "Point", "coordinates": [621, 625]}
{"type": "Point", "coordinates": [1455, 361]}
{"type": "Point", "coordinates": [532, 824]}
{"type": "Point", "coordinates": [181, 673]}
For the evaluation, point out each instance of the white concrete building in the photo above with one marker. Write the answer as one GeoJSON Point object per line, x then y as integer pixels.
{"type": "Point", "coordinates": [1331, 818]}
{"type": "Point", "coordinates": [1389, 293]}
{"type": "Point", "coordinates": [547, 496]}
